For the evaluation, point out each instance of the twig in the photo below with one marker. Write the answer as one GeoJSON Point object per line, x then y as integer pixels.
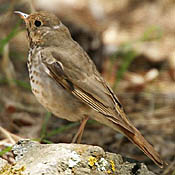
{"type": "Point", "coordinates": [169, 168]}
{"type": "Point", "coordinates": [7, 134]}
{"type": "Point", "coordinates": [11, 137]}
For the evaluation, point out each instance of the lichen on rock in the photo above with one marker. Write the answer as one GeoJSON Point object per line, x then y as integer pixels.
{"type": "Point", "coordinates": [33, 158]}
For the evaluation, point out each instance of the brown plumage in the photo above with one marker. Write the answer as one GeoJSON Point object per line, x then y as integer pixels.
{"type": "Point", "coordinates": [66, 82]}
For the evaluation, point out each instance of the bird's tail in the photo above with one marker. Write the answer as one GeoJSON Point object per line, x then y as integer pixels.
{"type": "Point", "coordinates": [142, 144]}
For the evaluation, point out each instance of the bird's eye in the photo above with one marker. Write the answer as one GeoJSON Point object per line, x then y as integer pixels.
{"type": "Point", "coordinates": [37, 23]}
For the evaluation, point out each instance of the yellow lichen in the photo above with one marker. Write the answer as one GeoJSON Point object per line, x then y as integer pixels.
{"type": "Point", "coordinates": [112, 165]}
{"type": "Point", "coordinates": [10, 170]}
{"type": "Point", "coordinates": [109, 171]}
{"type": "Point", "coordinates": [92, 160]}
{"type": "Point", "coordinates": [4, 170]}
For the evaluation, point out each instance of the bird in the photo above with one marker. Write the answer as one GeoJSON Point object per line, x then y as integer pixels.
{"type": "Point", "coordinates": [67, 83]}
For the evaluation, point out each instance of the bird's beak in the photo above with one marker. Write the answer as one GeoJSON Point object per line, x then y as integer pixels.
{"type": "Point", "coordinates": [24, 16]}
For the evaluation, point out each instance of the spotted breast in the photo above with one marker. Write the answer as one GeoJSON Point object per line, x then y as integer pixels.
{"type": "Point", "coordinates": [51, 94]}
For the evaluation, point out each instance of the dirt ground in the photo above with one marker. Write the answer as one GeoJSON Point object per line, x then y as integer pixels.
{"type": "Point", "coordinates": [132, 44]}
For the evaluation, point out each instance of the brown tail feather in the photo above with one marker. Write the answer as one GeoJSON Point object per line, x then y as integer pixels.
{"type": "Point", "coordinates": [142, 144]}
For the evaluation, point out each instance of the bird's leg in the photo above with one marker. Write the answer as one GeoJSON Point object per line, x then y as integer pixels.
{"type": "Point", "coordinates": [78, 135]}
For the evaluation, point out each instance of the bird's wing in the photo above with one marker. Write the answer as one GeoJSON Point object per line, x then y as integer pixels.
{"type": "Point", "coordinates": [83, 80]}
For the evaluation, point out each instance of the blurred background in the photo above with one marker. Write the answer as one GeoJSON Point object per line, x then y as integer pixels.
{"type": "Point", "coordinates": [132, 43]}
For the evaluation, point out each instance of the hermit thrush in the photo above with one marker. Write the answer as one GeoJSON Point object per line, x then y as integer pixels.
{"type": "Point", "coordinates": [66, 82]}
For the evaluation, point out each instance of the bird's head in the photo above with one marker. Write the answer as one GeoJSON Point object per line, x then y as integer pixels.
{"type": "Point", "coordinates": [43, 27]}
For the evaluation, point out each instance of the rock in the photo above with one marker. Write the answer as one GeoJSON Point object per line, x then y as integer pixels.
{"type": "Point", "coordinates": [3, 165]}
{"type": "Point", "coordinates": [70, 159]}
